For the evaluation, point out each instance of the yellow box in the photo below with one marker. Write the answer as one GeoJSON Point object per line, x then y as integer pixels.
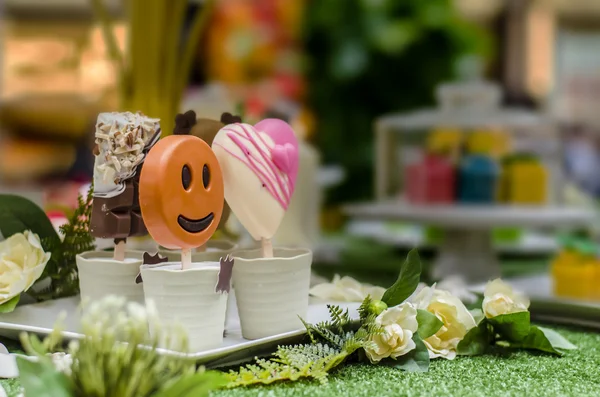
{"type": "Point", "coordinates": [524, 182]}
{"type": "Point", "coordinates": [494, 143]}
{"type": "Point", "coordinates": [576, 279]}
{"type": "Point", "coordinates": [444, 140]}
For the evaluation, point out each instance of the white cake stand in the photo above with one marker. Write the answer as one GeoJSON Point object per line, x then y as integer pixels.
{"type": "Point", "coordinates": [467, 248]}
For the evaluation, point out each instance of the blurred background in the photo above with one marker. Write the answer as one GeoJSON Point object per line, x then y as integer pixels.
{"type": "Point", "coordinates": [419, 120]}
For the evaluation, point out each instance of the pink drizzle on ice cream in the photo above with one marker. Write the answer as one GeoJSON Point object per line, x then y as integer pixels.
{"type": "Point", "coordinates": [260, 160]}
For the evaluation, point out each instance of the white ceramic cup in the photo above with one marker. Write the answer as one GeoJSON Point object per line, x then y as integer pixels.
{"type": "Point", "coordinates": [209, 257]}
{"type": "Point", "coordinates": [271, 292]}
{"type": "Point", "coordinates": [100, 275]}
{"type": "Point", "coordinates": [188, 297]}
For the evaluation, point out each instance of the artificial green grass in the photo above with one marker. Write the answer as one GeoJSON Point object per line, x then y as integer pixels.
{"type": "Point", "coordinates": [516, 373]}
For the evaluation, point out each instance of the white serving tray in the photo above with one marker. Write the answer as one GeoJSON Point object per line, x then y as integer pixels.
{"type": "Point", "coordinates": [39, 318]}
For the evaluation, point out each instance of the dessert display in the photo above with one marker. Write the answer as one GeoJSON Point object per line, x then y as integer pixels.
{"type": "Point", "coordinates": [260, 166]}
{"type": "Point", "coordinates": [181, 201]}
{"type": "Point", "coordinates": [122, 142]}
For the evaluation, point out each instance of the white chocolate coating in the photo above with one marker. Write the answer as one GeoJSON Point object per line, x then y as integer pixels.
{"type": "Point", "coordinates": [123, 140]}
{"type": "Point", "coordinates": [257, 191]}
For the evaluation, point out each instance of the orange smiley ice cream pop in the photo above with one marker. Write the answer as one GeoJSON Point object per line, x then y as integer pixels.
{"type": "Point", "coordinates": [181, 193]}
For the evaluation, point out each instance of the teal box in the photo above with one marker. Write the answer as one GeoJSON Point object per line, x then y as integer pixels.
{"type": "Point", "coordinates": [478, 180]}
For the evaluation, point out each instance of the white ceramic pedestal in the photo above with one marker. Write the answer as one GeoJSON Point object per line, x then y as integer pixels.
{"type": "Point", "coordinates": [467, 249]}
{"type": "Point", "coordinates": [100, 275]}
{"type": "Point", "coordinates": [271, 292]}
{"type": "Point", "coordinates": [188, 297]}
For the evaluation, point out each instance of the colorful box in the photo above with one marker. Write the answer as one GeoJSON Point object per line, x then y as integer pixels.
{"type": "Point", "coordinates": [576, 272]}
{"type": "Point", "coordinates": [478, 179]}
{"type": "Point", "coordinates": [494, 143]}
{"type": "Point", "coordinates": [524, 180]}
{"type": "Point", "coordinates": [431, 181]}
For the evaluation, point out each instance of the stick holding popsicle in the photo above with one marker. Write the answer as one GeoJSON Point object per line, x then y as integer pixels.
{"type": "Point", "coordinates": [260, 166]}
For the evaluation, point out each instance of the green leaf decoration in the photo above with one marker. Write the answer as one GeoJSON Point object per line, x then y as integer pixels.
{"type": "Point", "coordinates": [416, 360]}
{"type": "Point", "coordinates": [408, 280]}
{"type": "Point", "coordinates": [545, 340]}
{"type": "Point", "coordinates": [41, 379]}
{"type": "Point", "coordinates": [62, 268]}
{"type": "Point", "coordinates": [194, 385]}
{"type": "Point", "coordinates": [429, 324]}
{"type": "Point", "coordinates": [18, 214]}
{"type": "Point", "coordinates": [331, 343]}
{"type": "Point", "coordinates": [513, 327]}
{"type": "Point", "coordinates": [290, 363]}
{"type": "Point", "coordinates": [10, 305]}
{"type": "Point", "coordinates": [476, 341]}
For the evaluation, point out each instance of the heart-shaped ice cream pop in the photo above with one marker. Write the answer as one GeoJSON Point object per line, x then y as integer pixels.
{"type": "Point", "coordinates": [260, 165]}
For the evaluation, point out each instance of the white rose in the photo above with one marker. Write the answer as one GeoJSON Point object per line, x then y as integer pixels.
{"type": "Point", "coordinates": [456, 319]}
{"type": "Point", "coordinates": [346, 289]}
{"type": "Point", "coordinates": [499, 298]}
{"type": "Point", "coordinates": [22, 261]}
{"type": "Point", "coordinates": [399, 324]}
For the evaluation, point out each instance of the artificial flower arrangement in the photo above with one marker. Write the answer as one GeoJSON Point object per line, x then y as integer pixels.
{"type": "Point", "coordinates": [35, 259]}
{"type": "Point", "coordinates": [405, 330]}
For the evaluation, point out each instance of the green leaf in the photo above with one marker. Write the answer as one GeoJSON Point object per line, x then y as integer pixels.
{"type": "Point", "coordinates": [545, 340]}
{"type": "Point", "coordinates": [10, 305]}
{"type": "Point", "coordinates": [408, 280]}
{"type": "Point", "coordinates": [476, 341]}
{"type": "Point", "coordinates": [195, 385]}
{"type": "Point", "coordinates": [41, 379]}
{"type": "Point", "coordinates": [18, 214]}
{"type": "Point", "coordinates": [513, 327]}
{"type": "Point", "coordinates": [429, 324]}
{"type": "Point", "coordinates": [394, 36]}
{"type": "Point", "coordinates": [416, 360]}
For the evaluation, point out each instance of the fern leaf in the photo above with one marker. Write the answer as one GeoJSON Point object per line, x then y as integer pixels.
{"type": "Point", "coordinates": [364, 310]}
{"type": "Point", "coordinates": [290, 363]}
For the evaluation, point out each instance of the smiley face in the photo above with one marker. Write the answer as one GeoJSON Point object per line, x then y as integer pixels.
{"type": "Point", "coordinates": [181, 192]}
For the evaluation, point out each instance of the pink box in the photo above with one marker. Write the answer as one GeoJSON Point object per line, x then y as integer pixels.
{"type": "Point", "coordinates": [431, 180]}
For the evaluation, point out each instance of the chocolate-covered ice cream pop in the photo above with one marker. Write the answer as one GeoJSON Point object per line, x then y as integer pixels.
{"type": "Point", "coordinates": [122, 142]}
{"type": "Point", "coordinates": [181, 193]}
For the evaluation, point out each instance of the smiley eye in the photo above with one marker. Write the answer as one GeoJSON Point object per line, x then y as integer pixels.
{"type": "Point", "coordinates": [206, 176]}
{"type": "Point", "coordinates": [186, 177]}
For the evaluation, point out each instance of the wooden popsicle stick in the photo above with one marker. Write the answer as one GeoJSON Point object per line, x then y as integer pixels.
{"type": "Point", "coordinates": [119, 252]}
{"type": "Point", "coordinates": [267, 248]}
{"type": "Point", "coordinates": [186, 259]}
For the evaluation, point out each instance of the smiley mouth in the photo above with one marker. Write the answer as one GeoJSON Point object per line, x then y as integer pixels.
{"type": "Point", "coordinates": [195, 225]}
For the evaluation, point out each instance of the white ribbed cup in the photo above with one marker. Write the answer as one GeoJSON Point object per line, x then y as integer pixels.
{"type": "Point", "coordinates": [188, 297]}
{"type": "Point", "coordinates": [211, 256]}
{"type": "Point", "coordinates": [100, 275]}
{"type": "Point", "coordinates": [271, 292]}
